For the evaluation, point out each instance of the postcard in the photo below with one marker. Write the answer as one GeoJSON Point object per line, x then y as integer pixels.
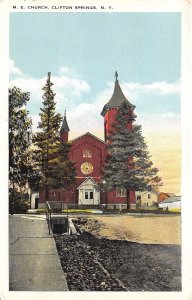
{"type": "Point", "coordinates": [96, 168]}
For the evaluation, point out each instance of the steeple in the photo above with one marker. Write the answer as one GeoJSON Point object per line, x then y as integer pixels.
{"type": "Point", "coordinates": [64, 129]}
{"type": "Point", "coordinates": [116, 76]}
{"type": "Point", "coordinates": [117, 98]}
{"type": "Point", "coordinates": [110, 110]}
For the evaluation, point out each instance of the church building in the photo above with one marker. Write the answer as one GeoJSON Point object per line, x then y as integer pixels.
{"type": "Point", "coordinates": [89, 154]}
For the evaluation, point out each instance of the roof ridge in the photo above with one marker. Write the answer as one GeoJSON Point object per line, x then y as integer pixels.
{"type": "Point", "coordinates": [86, 179]}
{"type": "Point", "coordinates": [88, 133]}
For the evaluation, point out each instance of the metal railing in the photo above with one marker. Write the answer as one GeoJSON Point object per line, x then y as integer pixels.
{"type": "Point", "coordinates": [48, 215]}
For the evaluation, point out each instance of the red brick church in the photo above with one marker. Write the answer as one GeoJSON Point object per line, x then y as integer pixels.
{"type": "Point", "coordinates": [89, 154]}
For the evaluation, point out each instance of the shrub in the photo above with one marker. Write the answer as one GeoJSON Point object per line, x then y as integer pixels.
{"type": "Point", "coordinates": [21, 202]}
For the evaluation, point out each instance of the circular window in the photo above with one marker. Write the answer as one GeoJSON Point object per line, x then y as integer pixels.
{"type": "Point", "coordinates": [86, 168]}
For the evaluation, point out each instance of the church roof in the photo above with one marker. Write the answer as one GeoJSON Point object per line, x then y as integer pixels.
{"type": "Point", "coordinates": [117, 98]}
{"type": "Point", "coordinates": [64, 127]}
{"type": "Point", "coordinates": [88, 134]}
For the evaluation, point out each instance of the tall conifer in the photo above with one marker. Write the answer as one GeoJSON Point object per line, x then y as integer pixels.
{"type": "Point", "coordinates": [51, 154]}
{"type": "Point", "coordinates": [128, 165]}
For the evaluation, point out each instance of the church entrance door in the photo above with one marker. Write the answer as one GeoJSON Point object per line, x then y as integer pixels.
{"type": "Point", "coordinates": [88, 194]}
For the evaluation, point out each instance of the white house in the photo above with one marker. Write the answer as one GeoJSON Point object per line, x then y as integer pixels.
{"type": "Point", "coordinates": [146, 198]}
{"type": "Point", "coordinates": [172, 203]}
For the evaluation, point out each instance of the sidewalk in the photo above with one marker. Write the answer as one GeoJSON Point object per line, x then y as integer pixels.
{"type": "Point", "coordinates": [33, 260]}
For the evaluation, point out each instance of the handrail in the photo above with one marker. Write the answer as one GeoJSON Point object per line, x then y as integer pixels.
{"type": "Point", "coordinates": [48, 216]}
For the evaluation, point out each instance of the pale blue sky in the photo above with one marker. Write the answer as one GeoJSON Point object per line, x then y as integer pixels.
{"type": "Point", "coordinates": [143, 47]}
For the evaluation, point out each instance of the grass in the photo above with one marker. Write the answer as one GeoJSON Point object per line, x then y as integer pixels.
{"type": "Point", "coordinates": [78, 210]}
{"type": "Point", "coordinates": [38, 210]}
{"type": "Point", "coordinates": [174, 209]}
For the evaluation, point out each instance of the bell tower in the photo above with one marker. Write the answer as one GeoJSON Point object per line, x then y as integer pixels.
{"type": "Point", "coordinates": [64, 129]}
{"type": "Point", "coordinates": [111, 109]}
{"type": "Point", "coordinates": [109, 112]}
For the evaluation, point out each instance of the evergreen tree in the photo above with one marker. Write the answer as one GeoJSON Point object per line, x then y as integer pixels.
{"type": "Point", "coordinates": [34, 177]}
{"type": "Point", "coordinates": [50, 153]}
{"type": "Point", "coordinates": [19, 142]}
{"type": "Point", "coordinates": [128, 164]}
{"type": "Point", "coordinates": [64, 170]}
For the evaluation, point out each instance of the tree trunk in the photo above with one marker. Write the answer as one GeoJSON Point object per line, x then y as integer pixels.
{"type": "Point", "coordinates": [128, 199]}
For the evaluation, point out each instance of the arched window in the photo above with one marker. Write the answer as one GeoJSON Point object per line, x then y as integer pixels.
{"type": "Point", "coordinates": [87, 153]}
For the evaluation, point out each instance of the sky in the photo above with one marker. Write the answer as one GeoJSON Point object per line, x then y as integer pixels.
{"type": "Point", "coordinates": [83, 51]}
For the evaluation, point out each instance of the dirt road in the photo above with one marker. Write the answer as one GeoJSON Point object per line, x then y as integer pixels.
{"type": "Point", "coordinates": [148, 229]}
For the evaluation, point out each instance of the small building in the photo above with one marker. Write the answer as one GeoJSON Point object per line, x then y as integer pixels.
{"type": "Point", "coordinates": [171, 204]}
{"type": "Point", "coordinates": [162, 196]}
{"type": "Point", "coordinates": [146, 198]}
{"type": "Point", "coordinates": [34, 199]}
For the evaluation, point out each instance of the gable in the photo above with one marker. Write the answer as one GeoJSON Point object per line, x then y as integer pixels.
{"type": "Point", "coordinates": [87, 142]}
{"type": "Point", "coordinates": [89, 182]}
{"type": "Point", "coordinates": [87, 137]}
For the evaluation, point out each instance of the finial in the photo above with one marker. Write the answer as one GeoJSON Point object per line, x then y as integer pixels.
{"type": "Point", "coordinates": [116, 76]}
{"type": "Point", "coordinates": [65, 113]}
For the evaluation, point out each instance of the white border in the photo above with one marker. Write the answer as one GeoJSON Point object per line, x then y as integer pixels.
{"type": "Point", "coordinates": [183, 6]}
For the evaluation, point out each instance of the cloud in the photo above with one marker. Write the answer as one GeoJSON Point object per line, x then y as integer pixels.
{"type": "Point", "coordinates": [160, 123]}
{"type": "Point", "coordinates": [13, 70]}
{"type": "Point", "coordinates": [70, 84]}
{"type": "Point", "coordinates": [29, 84]}
{"type": "Point", "coordinates": [135, 90]}
{"type": "Point", "coordinates": [103, 97]}
{"type": "Point", "coordinates": [35, 121]}
{"type": "Point", "coordinates": [163, 87]}
{"type": "Point", "coordinates": [68, 88]}
{"type": "Point", "coordinates": [67, 70]}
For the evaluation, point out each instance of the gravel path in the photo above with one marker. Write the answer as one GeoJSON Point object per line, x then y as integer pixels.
{"type": "Point", "coordinates": [82, 266]}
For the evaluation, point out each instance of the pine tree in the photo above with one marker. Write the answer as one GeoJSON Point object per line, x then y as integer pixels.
{"type": "Point", "coordinates": [19, 142]}
{"type": "Point", "coordinates": [51, 154]}
{"type": "Point", "coordinates": [128, 164]}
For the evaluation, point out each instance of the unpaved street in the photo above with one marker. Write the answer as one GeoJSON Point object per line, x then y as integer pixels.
{"type": "Point", "coordinates": [149, 229]}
